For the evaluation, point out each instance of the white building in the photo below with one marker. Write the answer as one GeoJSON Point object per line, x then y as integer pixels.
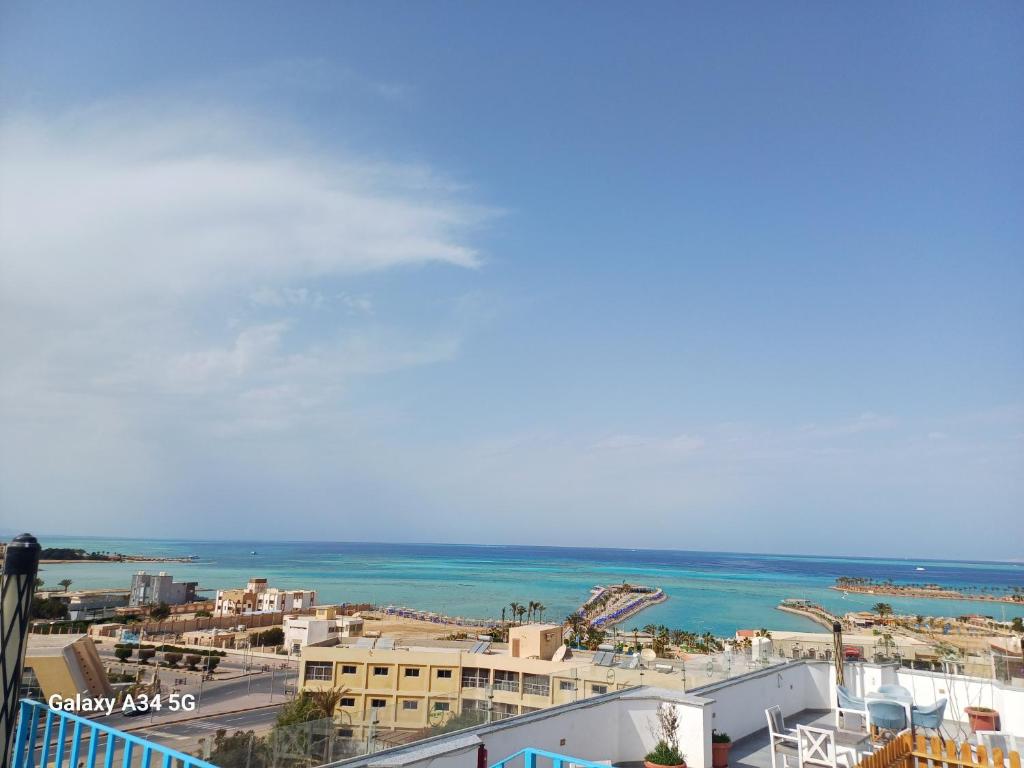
{"type": "Point", "coordinates": [300, 631]}
{"type": "Point", "coordinates": [258, 597]}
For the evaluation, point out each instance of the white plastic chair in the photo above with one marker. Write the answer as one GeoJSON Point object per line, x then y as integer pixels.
{"type": "Point", "coordinates": [817, 746]}
{"type": "Point", "coordinates": [778, 734]}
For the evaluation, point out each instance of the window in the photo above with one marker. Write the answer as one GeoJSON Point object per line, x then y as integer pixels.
{"type": "Point", "coordinates": [598, 688]}
{"type": "Point", "coordinates": [345, 733]}
{"type": "Point", "coordinates": [296, 647]}
{"type": "Point", "coordinates": [319, 670]}
{"type": "Point", "coordinates": [566, 685]}
{"type": "Point", "coordinates": [380, 671]}
{"type": "Point", "coordinates": [410, 705]}
{"type": "Point", "coordinates": [444, 674]}
{"type": "Point", "coordinates": [412, 672]}
{"type": "Point", "coordinates": [348, 701]}
{"type": "Point", "coordinates": [442, 706]}
{"type": "Point", "coordinates": [348, 669]}
{"type": "Point", "coordinates": [378, 703]}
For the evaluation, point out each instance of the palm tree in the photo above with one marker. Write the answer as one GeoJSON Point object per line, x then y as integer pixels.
{"type": "Point", "coordinates": [326, 701]}
{"type": "Point", "coordinates": [38, 585]}
{"type": "Point", "coordinates": [882, 609]}
{"type": "Point", "coordinates": [576, 624]}
{"type": "Point", "coordinates": [532, 609]}
{"type": "Point", "coordinates": [65, 583]}
{"type": "Point", "coordinates": [514, 607]}
{"type": "Point", "coordinates": [650, 629]}
{"type": "Point", "coordinates": [763, 633]}
{"type": "Point", "coordinates": [522, 612]}
{"type": "Point", "coordinates": [540, 609]}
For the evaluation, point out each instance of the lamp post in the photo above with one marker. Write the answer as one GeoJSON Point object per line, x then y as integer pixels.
{"type": "Point", "coordinates": [17, 583]}
{"type": "Point", "coordinates": [837, 639]}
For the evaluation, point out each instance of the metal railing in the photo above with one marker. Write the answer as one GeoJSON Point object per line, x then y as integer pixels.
{"type": "Point", "coordinates": [530, 757]}
{"type": "Point", "coordinates": [506, 685]}
{"type": "Point", "coordinates": [48, 736]}
{"type": "Point", "coordinates": [470, 681]}
{"type": "Point", "coordinates": [537, 689]}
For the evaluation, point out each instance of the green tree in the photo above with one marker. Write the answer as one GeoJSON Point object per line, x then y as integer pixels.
{"type": "Point", "coordinates": [65, 583]}
{"type": "Point", "coordinates": [540, 610]}
{"type": "Point", "coordinates": [172, 658]}
{"type": "Point", "coordinates": [211, 663]}
{"type": "Point", "coordinates": [882, 609]}
{"type": "Point", "coordinates": [145, 654]}
{"type": "Point", "coordinates": [124, 653]}
{"type": "Point", "coordinates": [272, 636]}
{"type": "Point", "coordinates": [203, 614]}
{"type": "Point", "coordinates": [160, 612]}
{"type": "Point", "coordinates": [192, 661]}
{"type": "Point", "coordinates": [49, 608]}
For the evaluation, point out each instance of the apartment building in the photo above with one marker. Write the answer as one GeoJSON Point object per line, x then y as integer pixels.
{"type": "Point", "coordinates": [420, 685]}
{"type": "Point", "coordinates": [156, 588]}
{"type": "Point", "coordinates": [258, 596]}
{"type": "Point", "coordinates": [324, 626]}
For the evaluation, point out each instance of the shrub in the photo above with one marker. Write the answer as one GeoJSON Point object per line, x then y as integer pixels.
{"type": "Point", "coordinates": [665, 754]}
{"type": "Point", "coordinates": [720, 737]}
{"type": "Point", "coordinates": [172, 658]}
{"type": "Point", "coordinates": [145, 654]}
{"type": "Point", "coordinates": [192, 660]}
{"type": "Point", "coordinates": [123, 653]}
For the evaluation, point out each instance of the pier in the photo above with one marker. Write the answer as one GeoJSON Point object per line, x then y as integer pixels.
{"type": "Point", "coordinates": [611, 605]}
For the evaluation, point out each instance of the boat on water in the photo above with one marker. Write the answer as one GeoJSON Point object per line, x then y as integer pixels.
{"type": "Point", "coordinates": [919, 568]}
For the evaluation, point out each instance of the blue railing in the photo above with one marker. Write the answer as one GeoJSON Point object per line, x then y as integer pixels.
{"type": "Point", "coordinates": [68, 741]}
{"type": "Point", "coordinates": [530, 755]}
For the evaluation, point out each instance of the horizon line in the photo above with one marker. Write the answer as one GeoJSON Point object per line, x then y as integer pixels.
{"type": "Point", "coordinates": [533, 546]}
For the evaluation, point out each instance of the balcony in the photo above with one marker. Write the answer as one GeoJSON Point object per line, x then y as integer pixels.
{"type": "Point", "coordinates": [47, 736]}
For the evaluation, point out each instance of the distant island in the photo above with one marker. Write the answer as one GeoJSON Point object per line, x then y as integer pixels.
{"type": "Point", "coordinates": [873, 587]}
{"type": "Point", "coordinates": [54, 555]}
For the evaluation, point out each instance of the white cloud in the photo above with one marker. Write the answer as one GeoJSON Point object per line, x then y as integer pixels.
{"type": "Point", "coordinates": [110, 205]}
{"type": "Point", "coordinates": [164, 284]}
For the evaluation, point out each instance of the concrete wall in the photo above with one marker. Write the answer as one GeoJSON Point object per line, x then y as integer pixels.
{"type": "Point", "coordinates": [739, 704]}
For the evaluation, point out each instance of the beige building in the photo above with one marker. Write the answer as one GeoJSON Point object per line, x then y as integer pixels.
{"type": "Point", "coordinates": [64, 664]}
{"type": "Point", "coordinates": [424, 684]}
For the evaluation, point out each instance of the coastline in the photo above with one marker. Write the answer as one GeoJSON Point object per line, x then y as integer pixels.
{"type": "Point", "coordinates": [918, 593]}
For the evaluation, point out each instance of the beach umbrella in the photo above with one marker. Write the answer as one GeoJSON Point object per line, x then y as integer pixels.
{"type": "Point", "coordinates": [837, 636]}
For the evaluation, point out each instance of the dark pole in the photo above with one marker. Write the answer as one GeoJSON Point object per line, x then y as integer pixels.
{"type": "Point", "coordinates": [837, 636]}
{"type": "Point", "coordinates": [17, 583]}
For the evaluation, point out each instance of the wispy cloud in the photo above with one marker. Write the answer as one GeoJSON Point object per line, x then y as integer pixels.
{"type": "Point", "coordinates": [170, 281]}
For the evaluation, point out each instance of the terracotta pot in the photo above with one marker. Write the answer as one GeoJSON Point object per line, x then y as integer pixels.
{"type": "Point", "coordinates": [720, 754]}
{"type": "Point", "coordinates": [656, 765]}
{"type": "Point", "coordinates": [983, 719]}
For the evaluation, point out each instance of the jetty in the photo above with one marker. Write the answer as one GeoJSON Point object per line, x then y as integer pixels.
{"type": "Point", "coordinates": [809, 610]}
{"type": "Point", "coordinates": [614, 604]}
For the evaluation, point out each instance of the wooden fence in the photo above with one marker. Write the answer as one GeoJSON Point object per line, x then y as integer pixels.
{"type": "Point", "coordinates": [907, 752]}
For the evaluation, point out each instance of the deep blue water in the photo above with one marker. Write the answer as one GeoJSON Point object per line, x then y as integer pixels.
{"type": "Point", "coordinates": [713, 591]}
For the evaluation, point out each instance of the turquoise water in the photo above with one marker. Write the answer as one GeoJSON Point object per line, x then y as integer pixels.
{"type": "Point", "coordinates": [708, 591]}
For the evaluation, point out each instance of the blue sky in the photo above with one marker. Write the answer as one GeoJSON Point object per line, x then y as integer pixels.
{"type": "Point", "coordinates": [679, 275]}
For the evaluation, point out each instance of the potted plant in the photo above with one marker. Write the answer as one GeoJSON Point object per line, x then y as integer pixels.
{"type": "Point", "coordinates": [666, 752]}
{"type": "Point", "coordinates": [983, 718]}
{"type": "Point", "coordinates": [720, 744]}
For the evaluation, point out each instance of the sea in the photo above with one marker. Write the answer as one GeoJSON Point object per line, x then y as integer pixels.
{"type": "Point", "coordinates": [717, 592]}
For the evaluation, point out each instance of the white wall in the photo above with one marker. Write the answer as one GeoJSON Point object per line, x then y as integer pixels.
{"type": "Point", "coordinates": [739, 704]}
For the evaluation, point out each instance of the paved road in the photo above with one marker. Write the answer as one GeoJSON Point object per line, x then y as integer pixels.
{"type": "Point", "coordinates": [185, 737]}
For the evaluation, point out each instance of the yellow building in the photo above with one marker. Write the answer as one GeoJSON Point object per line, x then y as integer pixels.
{"type": "Point", "coordinates": [64, 664]}
{"type": "Point", "coordinates": [426, 683]}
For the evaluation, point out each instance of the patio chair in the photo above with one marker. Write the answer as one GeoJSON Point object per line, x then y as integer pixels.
{"type": "Point", "coordinates": [929, 717]}
{"type": "Point", "coordinates": [849, 705]}
{"type": "Point", "coordinates": [817, 746]}
{"type": "Point", "coordinates": [779, 735]}
{"type": "Point", "coordinates": [887, 716]}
